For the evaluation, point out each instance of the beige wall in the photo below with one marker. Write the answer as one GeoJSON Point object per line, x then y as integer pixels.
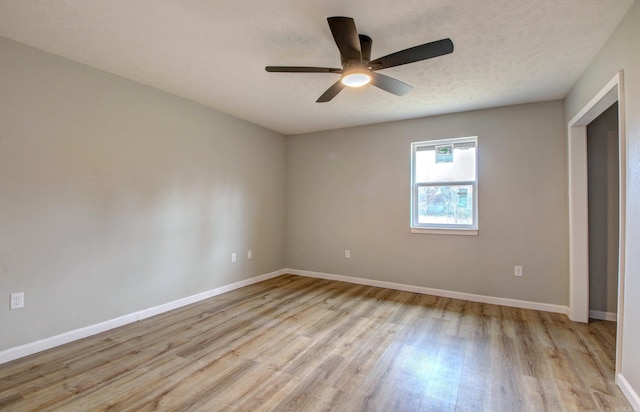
{"type": "Point", "coordinates": [116, 197]}
{"type": "Point", "coordinates": [349, 189]}
{"type": "Point", "coordinates": [622, 52]}
{"type": "Point", "coordinates": [602, 158]}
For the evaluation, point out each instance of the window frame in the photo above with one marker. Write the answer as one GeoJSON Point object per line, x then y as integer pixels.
{"type": "Point", "coordinates": [443, 228]}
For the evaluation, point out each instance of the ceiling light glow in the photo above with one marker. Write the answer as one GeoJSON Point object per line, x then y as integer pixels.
{"type": "Point", "coordinates": [356, 79]}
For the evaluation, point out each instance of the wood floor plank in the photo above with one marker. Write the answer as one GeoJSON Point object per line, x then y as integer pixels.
{"type": "Point", "coordinates": [302, 344]}
{"type": "Point", "coordinates": [472, 394]}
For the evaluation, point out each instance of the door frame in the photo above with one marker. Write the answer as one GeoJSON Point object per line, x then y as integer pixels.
{"type": "Point", "coordinates": [578, 208]}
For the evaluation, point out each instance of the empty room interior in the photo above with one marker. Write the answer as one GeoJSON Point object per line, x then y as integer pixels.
{"type": "Point", "coordinates": [320, 205]}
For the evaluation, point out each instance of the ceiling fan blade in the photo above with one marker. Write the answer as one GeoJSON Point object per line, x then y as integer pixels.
{"type": "Point", "coordinates": [331, 92]}
{"type": "Point", "coordinates": [414, 54]}
{"type": "Point", "coordinates": [346, 36]}
{"type": "Point", "coordinates": [389, 84]}
{"type": "Point", "coordinates": [301, 69]}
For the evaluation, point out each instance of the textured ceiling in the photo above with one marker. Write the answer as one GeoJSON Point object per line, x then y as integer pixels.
{"type": "Point", "coordinates": [214, 52]}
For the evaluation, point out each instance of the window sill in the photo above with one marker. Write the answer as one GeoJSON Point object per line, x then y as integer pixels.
{"type": "Point", "coordinates": [457, 232]}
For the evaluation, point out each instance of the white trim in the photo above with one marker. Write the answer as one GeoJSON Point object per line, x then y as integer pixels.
{"type": "Point", "coordinates": [578, 226]}
{"type": "Point", "coordinates": [546, 307]}
{"type": "Point", "coordinates": [610, 316]}
{"type": "Point", "coordinates": [457, 232]}
{"type": "Point", "coordinates": [628, 391]}
{"type": "Point", "coordinates": [76, 334]}
{"type": "Point", "coordinates": [607, 96]}
{"type": "Point", "coordinates": [578, 210]}
{"type": "Point", "coordinates": [622, 218]}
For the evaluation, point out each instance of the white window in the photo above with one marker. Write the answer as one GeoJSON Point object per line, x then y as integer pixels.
{"type": "Point", "coordinates": [444, 186]}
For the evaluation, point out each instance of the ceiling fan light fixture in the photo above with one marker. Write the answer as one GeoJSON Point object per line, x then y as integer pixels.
{"type": "Point", "coordinates": [356, 78]}
{"type": "Point", "coordinates": [357, 67]}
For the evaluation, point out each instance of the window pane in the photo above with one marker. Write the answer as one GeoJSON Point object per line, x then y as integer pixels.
{"type": "Point", "coordinates": [445, 205]}
{"type": "Point", "coordinates": [459, 165]}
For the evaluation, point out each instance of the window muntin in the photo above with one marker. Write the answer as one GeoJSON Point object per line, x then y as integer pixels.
{"type": "Point", "coordinates": [444, 184]}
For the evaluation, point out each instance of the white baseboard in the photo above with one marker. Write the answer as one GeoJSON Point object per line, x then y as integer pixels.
{"type": "Point", "coordinates": [632, 395]}
{"type": "Point", "coordinates": [545, 307]}
{"type": "Point", "coordinates": [51, 342]}
{"type": "Point", "coordinates": [596, 314]}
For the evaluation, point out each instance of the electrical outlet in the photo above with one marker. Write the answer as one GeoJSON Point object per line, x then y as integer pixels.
{"type": "Point", "coordinates": [234, 257]}
{"type": "Point", "coordinates": [249, 254]}
{"type": "Point", "coordinates": [17, 301]}
{"type": "Point", "coordinates": [517, 271]}
{"type": "Point", "coordinates": [347, 254]}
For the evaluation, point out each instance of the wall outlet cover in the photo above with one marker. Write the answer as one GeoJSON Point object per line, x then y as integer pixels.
{"type": "Point", "coordinates": [16, 301]}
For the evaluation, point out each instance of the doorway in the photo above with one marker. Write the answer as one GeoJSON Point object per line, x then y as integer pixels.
{"type": "Point", "coordinates": [578, 210]}
{"type": "Point", "coordinates": [603, 213]}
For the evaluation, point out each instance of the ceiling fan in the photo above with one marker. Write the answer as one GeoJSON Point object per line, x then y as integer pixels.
{"type": "Point", "coordinates": [357, 67]}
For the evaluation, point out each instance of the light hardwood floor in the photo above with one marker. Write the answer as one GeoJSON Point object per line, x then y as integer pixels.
{"type": "Point", "coordinates": [302, 344]}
